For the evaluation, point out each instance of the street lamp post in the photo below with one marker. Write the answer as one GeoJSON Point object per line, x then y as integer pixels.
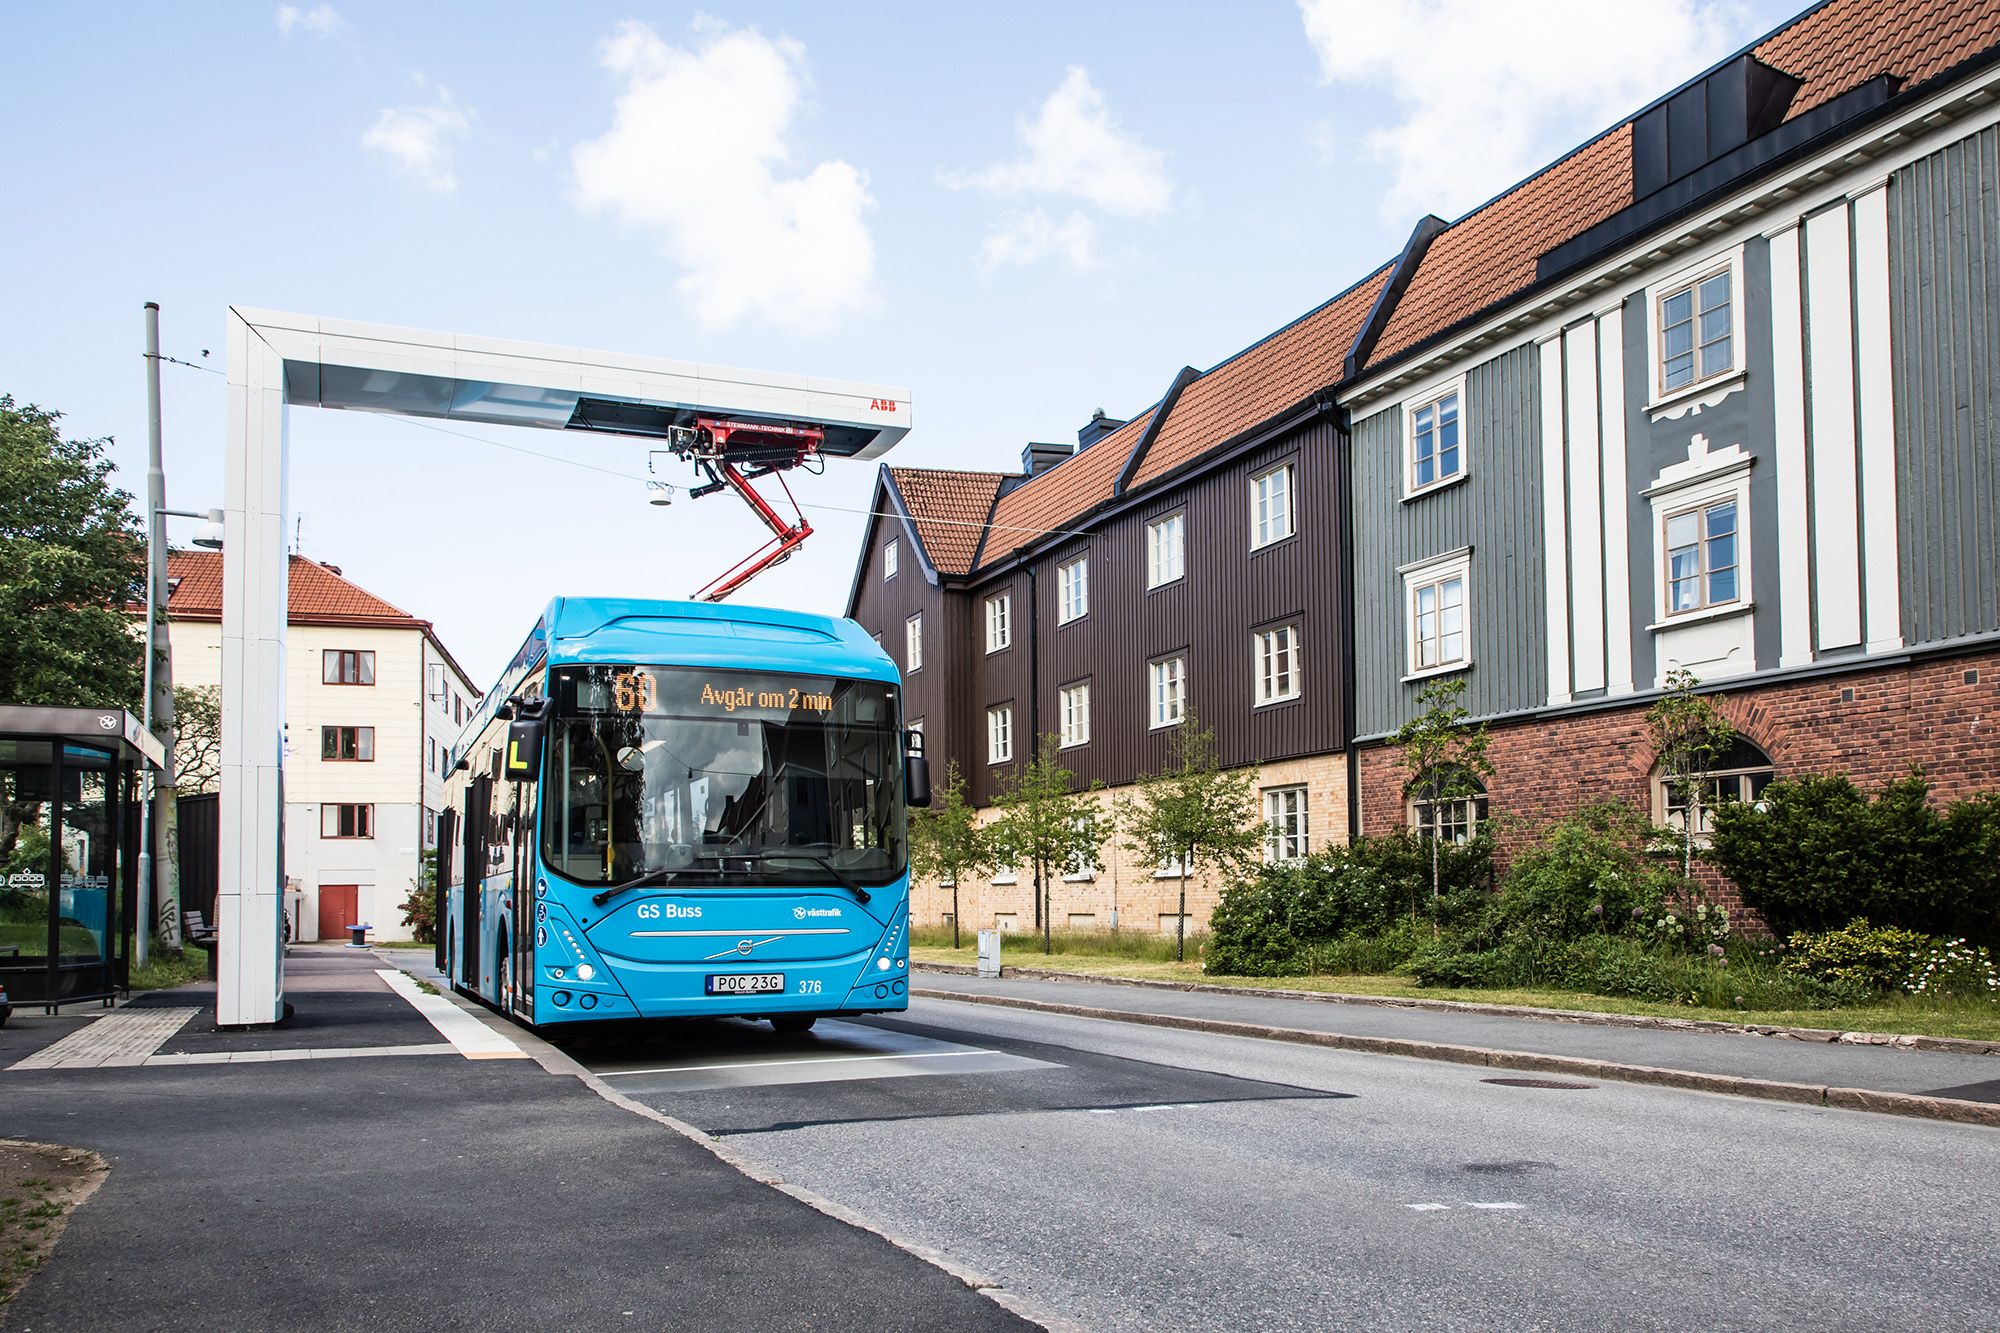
{"type": "Point", "coordinates": [156, 816]}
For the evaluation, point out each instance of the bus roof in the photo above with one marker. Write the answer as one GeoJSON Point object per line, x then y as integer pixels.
{"type": "Point", "coordinates": [711, 634]}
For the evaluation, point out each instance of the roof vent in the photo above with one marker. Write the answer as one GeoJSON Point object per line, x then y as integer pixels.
{"type": "Point", "coordinates": [1715, 115]}
{"type": "Point", "coordinates": [1098, 427]}
{"type": "Point", "coordinates": [331, 569]}
{"type": "Point", "coordinates": [1039, 458]}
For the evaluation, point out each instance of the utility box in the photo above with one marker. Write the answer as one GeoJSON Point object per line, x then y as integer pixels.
{"type": "Point", "coordinates": [989, 953]}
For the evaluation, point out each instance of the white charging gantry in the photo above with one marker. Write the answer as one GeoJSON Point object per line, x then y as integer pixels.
{"type": "Point", "coordinates": [733, 425]}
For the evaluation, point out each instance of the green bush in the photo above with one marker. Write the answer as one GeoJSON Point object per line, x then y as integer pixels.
{"type": "Point", "coordinates": [1816, 852]}
{"type": "Point", "coordinates": [1630, 967]}
{"type": "Point", "coordinates": [1250, 931]}
{"type": "Point", "coordinates": [1874, 958]}
{"type": "Point", "coordinates": [1589, 875]}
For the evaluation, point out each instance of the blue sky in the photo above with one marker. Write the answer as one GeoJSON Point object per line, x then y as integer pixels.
{"type": "Point", "coordinates": [1019, 213]}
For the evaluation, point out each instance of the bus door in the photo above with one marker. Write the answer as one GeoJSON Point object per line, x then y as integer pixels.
{"type": "Point", "coordinates": [478, 807]}
{"type": "Point", "coordinates": [447, 831]}
{"type": "Point", "coordinates": [528, 921]}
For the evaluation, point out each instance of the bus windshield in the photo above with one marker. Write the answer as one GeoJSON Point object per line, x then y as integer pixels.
{"type": "Point", "coordinates": [712, 776]}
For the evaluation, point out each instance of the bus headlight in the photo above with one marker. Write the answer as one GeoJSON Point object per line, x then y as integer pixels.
{"type": "Point", "coordinates": [882, 963]}
{"type": "Point", "coordinates": [584, 971]}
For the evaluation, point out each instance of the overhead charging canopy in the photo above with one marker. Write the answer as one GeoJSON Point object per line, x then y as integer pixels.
{"type": "Point", "coordinates": [277, 361]}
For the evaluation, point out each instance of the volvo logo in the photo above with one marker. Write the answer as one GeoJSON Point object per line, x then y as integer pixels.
{"type": "Point", "coordinates": [745, 946]}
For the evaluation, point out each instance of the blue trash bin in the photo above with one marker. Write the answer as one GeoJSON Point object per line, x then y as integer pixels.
{"type": "Point", "coordinates": [359, 934]}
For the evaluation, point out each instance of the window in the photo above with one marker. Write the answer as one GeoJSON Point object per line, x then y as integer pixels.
{"type": "Point", "coordinates": [1074, 703]}
{"type": "Point", "coordinates": [891, 550]}
{"type": "Point", "coordinates": [1073, 580]}
{"type": "Point", "coordinates": [999, 622]}
{"type": "Point", "coordinates": [1437, 614]}
{"type": "Point", "coordinates": [1271, 506]}
{"type": "Point", "coordinates": [1166, 556]}
{"type": "Point", "coordinates": [347, 821]}
{"type": "Point", "coordinates": [913, 641]}
{"type": "Point", "coordinates": [457, 710]}
{"type": "Point", "coordinates": [432, 761]}
{"type": "Point", "coordinates": [1169, 689]}
{"type": "Point", "coordinates": [347, 666]}
{"type": "Point", "coordinates": [1696, 330]}
{"type": "Point", "coordinates": [1437, 442]}
{"type": "Point", "coordinates": [1000, 734]}
{"type": "Point", "coordinates": [347, 743]}
{"type": "Point", "coordinates": [1277, 664]}
{"type": "Point", "coordinates": [1284, 823]}
{"type": "Point", "coordinates": [1701, 557]}
{"type": "Point", "coordinates": [1739, 773]}
{"type": "Point", "coordinates": [430, 827]}
{"type": "Point", "coordinates": [1454, 819]}
{"type": "Point", "coordinates": [1084, 865]}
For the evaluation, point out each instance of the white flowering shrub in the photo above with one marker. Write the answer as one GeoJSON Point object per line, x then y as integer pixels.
{"type": "Point", "coordinates": [1953, 968]}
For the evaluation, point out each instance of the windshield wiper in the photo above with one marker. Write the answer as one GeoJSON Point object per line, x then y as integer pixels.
{"type": "Point", "coordinates": [639, 882]}
{"type": "Point", "coordinates": [787, 854]}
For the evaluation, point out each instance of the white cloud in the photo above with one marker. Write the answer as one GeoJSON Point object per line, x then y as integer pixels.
{"type": "Point", "coordinates": [698, 154]}
{"type": "Point", "coordinates": [322, 21]}
{"type": "Point", "coordinates": [419, 139]}
{"type": "Point", "coordinates": [1484, 91]}
{"type": "Point", "coordinates": [1075, 151]}
{"type": "Point", "coordinates": [1025, 237]}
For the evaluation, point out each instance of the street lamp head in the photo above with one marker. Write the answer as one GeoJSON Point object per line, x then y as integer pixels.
{"type": "Point", "coordinates": [209, 535]}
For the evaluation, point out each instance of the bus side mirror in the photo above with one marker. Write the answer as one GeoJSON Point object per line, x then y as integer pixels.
{"type": "Point", "coordinates": [916, 770]}
{"type": "Point", "coordinates": [524, 749]}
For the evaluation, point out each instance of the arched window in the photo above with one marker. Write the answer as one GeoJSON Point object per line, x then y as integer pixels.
{"type": "Point", "coordinates": [1455, 818]}
{"type": "Point", "coordinates": [1739, 773]}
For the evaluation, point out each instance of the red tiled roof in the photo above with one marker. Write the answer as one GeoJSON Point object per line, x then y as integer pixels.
{"type": "Point", "coordinates": [319, 595]}
{"type": "Point", "coordinates": [949, 510]}
{"type": "Point", "coordinates": [1489, 255]}
{"type": "Point", "coordinates": [1046, 503]}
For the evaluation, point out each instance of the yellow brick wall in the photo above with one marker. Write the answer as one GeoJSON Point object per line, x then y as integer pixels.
{"type": "Point", "coordinates": [1122, 892]}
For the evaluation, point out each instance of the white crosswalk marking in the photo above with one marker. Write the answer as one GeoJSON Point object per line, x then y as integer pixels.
{"type": "Point", "coordinates": [126, 1037]}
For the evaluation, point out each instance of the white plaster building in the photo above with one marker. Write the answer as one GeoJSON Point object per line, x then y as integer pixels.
{"type": "Point", "coordinates": [373, 707]}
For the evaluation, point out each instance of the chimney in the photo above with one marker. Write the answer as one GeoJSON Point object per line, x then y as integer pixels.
{"type": "Point", "coordinates": [1099, 427]}
{"type": "Point", "coordinates": [1039, 458]}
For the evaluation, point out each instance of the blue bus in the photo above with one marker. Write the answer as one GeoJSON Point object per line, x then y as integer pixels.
{"type": "Point", "coordinates": [670, 809]}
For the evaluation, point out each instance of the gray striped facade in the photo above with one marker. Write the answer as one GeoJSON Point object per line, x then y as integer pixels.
{"type": "Point", "coordinates": [1860, 426]}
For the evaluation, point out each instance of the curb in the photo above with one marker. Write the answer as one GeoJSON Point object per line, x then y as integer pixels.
{"type": "Point", "coordinates": [1898, 1040]}
{"type": "Point", "coordinates": [1803, 1094]}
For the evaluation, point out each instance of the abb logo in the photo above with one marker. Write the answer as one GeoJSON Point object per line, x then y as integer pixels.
{"type": "Point", "coordinates": [881, 404]}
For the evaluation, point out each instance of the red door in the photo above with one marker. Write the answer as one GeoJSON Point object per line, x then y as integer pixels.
{"type": "Point", "coordinates": [338, 904]}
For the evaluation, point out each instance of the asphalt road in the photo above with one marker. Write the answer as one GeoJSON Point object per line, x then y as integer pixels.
{"type": "Point", "coordinates": [1129, 1177]}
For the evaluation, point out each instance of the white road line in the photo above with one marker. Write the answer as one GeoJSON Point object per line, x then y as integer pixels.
{"type": "Point", "coordinates": [313, 1053]}
{"type": "Point", "coordinates": [1495, 1205]}
{"type": "Point", "coordinates": [1428, 1207]}
{"type": "Point", "coordinates": [809, 1060]}
{"type": "Point", "coordinates": [472, 1038]}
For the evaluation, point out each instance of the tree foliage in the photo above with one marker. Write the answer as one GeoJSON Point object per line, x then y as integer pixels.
{"type": "Point", "coordinates": [1193, 814]}
{"type": "Point", "coordinates": [1446, 758]}
{"type": "Point", "coordinates": [946, 841]}
{"type": "Point", "coordinates": [71, 555]}
{"type": "Point", "coordinates": [197, 738]}
{"type": "Point", "coordinates": [1689, 734]}
{"type": "Point", "coordinates": [1046, 823]}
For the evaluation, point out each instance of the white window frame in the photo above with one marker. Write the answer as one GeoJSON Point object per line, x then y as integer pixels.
{"type": "Point", "coordinates": [1073, 710]}
{"type": "Point", "coordinates": [1287, 833]}
{"type": "Point", "coordinates": [1000, 734]}
{"type": "Point", "coordinates": [1084, 868]}
{"type": "Point", "coordinates": [1431, 396]}
{"type": "Point", "coordinates": [1073, 589]}
{"type": "Point", "coordinates": [1156, 704]}
{"type": "Point", "coordinates": [1459, 817]}
{"type": "Point", "coordinates": [891, 558]}
{"type": "Point", "coordinates": [1746, 783]}
{"type": "Point", "coordinates": [999, 622]}
{"type": "Point", "coordinates": [1656, 294]}
{"type": "Point", "coordinates": [1430, 573]}
{"type": "Point", "coordinates": [913, 642]}
{"type": "Point", "coordinates": [1170, 565]}
{"type": "Point", "coordinates": [1259, 538]}
{"type": "Point", "coordinates": [1714, 477]}
{"type": "Point", "coordinates": [1264, 652]}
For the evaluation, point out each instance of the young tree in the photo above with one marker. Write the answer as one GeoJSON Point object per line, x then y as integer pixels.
{"type": "Point", "coordinates": [946, 841]}
{"type": "Point", "coordinates": [71, 557]}
{"type": "Point", "coordinates": [1445, 757]}
{"type": "Point", "coordinates": [1689, 734]}
{"type": "Point", "coordinates": [1193, 814]}
{"type": "Point", "coordinates": [1046, 823]}
{"type": "Point", "coordinates": [197, 738]}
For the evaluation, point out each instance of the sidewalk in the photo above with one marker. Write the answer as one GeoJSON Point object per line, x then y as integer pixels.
{"type": "Point", "coordinates": [1949, 1085]}
{"type": "Point", "coordinates": [316, 1185]}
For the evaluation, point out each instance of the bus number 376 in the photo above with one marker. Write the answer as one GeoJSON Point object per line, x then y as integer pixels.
{"type": "Point", "coordinates": [809, 987]}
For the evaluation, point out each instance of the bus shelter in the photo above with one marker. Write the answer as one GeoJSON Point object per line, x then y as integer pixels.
{"type": "Point", "coordinates": [69, 850]}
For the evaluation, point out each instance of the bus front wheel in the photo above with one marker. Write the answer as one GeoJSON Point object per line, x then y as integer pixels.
{"type": "Point", "coordinates": [790, 1025]}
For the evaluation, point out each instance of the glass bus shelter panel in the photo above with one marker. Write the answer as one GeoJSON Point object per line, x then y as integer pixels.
{"type": "Point", "coordinates": [64, 848]}
{"type": "Point", "coordinates": [27, 842]}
